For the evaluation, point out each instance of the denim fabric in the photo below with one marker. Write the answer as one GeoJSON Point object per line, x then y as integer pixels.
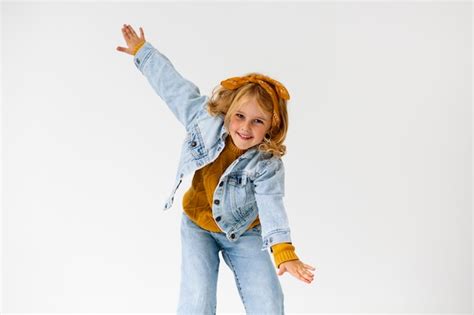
{"type": "Point", "coordinates": [255, 276]}
{"type": "Point", "coordinates": [252, 185]}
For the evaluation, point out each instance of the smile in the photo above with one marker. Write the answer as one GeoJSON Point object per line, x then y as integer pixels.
{"type": "Point", "coordinates": [243, 137]}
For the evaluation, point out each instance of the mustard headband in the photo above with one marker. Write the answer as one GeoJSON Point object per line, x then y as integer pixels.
{"type": "Point", "coordinates": [236, 82]}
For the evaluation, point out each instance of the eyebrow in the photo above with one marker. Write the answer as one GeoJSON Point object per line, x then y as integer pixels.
{"type": "Point", "coordinates": [261, 118]}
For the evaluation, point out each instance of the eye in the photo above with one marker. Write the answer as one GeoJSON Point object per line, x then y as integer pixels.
{"type": "Point", "coordinates": [239, 115]}
{"type": "Point", "coordinates": [259, 121]}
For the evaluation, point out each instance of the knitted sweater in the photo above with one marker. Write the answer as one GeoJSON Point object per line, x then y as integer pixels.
{"type": "Point", "coordinates": [197, 200]}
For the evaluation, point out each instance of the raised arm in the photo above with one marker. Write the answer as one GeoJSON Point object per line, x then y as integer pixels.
{"type": "Point", "coordinates": [181, 95]}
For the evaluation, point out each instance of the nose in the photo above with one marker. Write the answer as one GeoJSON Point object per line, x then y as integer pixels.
{"type": "Point", "coordinates": [246, 126]}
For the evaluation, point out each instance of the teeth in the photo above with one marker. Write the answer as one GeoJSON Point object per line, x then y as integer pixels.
{"type": "Point", "coordinates": [245, 137]}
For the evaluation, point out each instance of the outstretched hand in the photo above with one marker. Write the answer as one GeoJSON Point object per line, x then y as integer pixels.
{"type": "Point", "coordinates": [132, 39]}
{"type": "Point", "coordinates": [297, 269]}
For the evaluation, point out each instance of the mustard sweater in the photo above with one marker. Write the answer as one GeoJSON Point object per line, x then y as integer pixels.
{"type": "Point", "coordinates": [197, 200]}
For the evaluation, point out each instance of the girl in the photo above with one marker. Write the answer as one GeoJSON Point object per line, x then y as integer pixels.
{"type": "Point", "coordinates": [233, 146]}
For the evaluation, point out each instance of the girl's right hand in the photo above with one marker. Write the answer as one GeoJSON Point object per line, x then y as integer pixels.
{"type": "Point", "coordinates": [297, 269]}
{"type": "Point", "coordinates": [132, 40]}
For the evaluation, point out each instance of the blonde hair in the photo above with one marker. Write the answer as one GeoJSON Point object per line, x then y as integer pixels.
{"type": "Point", "coordinates": [224, 102]}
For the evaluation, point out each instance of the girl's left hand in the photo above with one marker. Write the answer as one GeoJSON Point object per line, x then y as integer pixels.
{"type": "Point", "coordinates": [297, 269]}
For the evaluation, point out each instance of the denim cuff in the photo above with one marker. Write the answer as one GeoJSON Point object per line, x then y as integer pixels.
{"type": "Point", "coordinates": [275, 237]}
{"type": "Point", "coordinates": [142, 55]}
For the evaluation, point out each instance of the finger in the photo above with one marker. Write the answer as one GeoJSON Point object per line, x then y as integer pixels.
{"type": "Point", "coordinates": [129, 31]}
{"type": "Point", "coordinates": [304, 274]}
{"type": "Point", "coordinates": [304, 279]}
{"type": "Point", "coordinates": [126, 33]}
{"type": "Point", "coordinates": [132, 31]}
{"type": "Point", "coordinates": [308, 280]}
{"type": "Point", "coordinates": [142, 34]}
{"type": "Point", "coordinates": [310, 267]}
{"type": "Point", "coordinates": [299, 276]}
{"type": "Point", "coordinates": [123, 49]}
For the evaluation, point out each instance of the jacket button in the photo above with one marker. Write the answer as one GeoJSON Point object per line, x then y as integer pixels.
{"type": "Point", "coordinates": [216, 201]}
{"type": "Point", "coordinates": [193, 144]}
{"type": "Point", "coordinates": [218, 218]}
{"type": "Point", "coordinates": [232, 236]}
{"type": "Point", "coordinates": [221, 184]}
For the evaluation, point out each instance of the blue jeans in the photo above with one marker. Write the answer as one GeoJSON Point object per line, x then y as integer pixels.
{"type": "Point", "coordinates": [254, 272]}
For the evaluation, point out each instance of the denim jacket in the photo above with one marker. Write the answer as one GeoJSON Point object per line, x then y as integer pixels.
{"type": "Point", "coordinates": [252, 185]}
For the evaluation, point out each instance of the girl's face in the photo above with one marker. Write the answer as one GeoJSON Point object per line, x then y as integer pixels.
{"type": "Point", "coordinates": [249, 123]}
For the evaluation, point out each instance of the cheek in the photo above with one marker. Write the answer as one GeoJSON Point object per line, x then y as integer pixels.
{"type": "Point", "coordinates": [233, 124]}
{"type": "Point", "coordinates": [259, 132]}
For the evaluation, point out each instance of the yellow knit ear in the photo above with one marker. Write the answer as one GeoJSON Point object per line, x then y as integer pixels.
{"type": "Point", "coordinates": [236, 82]}
{"type": "Point", "coordinates": [232, 83]}
{"type": "Point", "coordinates": [279, 88]}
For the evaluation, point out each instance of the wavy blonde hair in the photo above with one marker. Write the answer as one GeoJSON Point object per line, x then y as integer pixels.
{"type": "Point", "coordinates": [224, 102]}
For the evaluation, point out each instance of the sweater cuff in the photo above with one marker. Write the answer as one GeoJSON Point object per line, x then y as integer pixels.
{"type": "Point", "coordinates": [138, 48]}
{"type": "Point", "coordinates": [283, 252]}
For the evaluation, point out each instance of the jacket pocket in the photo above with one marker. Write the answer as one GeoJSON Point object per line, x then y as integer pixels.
{"type": "Point", "coordinates": [195, 144]}
{"type": "Point", "coordinates": [237, 179]}
{"type": "Point", "coordinates": [241, 195]}
{"type": "Point", "coordinates": [242, 213]}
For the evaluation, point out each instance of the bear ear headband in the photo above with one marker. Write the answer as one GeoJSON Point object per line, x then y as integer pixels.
{"type": "Point", "coordinates": [236, 82]}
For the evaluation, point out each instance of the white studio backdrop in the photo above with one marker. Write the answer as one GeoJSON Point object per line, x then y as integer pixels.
{"type": "Point", "coordinates": [378, 169]}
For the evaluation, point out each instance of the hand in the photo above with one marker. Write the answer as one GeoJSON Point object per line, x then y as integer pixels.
{"type": "Point", "coordinates": [297, 269]}
{"type": "Point", "coordinates": [133, 41]}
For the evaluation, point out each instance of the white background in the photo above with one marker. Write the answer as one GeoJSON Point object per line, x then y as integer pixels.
{"type": "Point", "coordinates": [378, 170]}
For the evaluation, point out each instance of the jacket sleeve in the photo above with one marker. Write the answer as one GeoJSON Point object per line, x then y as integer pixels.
{"type": "Point", "coordinates": [180, 95]}
{"type": "Point", "coordinates": [269, 187]}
